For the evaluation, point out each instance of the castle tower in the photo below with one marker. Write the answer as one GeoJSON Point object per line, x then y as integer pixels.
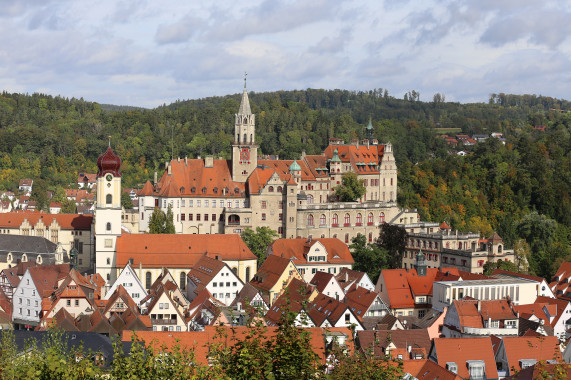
{"type": "Point", "coordinates": [107, 213]}
{"type": "Point", "coordinates": [244, 147]}
{"type": "Point", "coordinates": [420, 264]}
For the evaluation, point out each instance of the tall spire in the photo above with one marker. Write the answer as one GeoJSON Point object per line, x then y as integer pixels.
{"type": "Point", "coordinates": [245, 103]}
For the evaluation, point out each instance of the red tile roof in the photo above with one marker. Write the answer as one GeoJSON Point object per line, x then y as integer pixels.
{"type": "Point", "coordinates": [402, 285]}
{"type": "Point", "coordinates": [460, 350]}
{"type": "Point", "coordinates": [282, 168]}
{"type": "Point", "coordinates": [296, 249]}
{"type": "Point", "coordinates": [147, 189]}
{"type": "Point", "coordinates": [259, 178]}
{"type": "Point", "coordinates": [204, 271]}
{"type": "Point", "coordinates": [354, 154]}
{"type": "Point", "coordinates": [426, 369]}
{"type": "Point", "coordinates": [360, 300]}
{"type": "Point", "coordinates": [207, 182]}
{"type": "Point", "coordinates": [270, 272]}
{"type": "Point", "coordinates": [530, 347]}
{"type": "Point", "coordinates": [65, 221]}
{"type": "Point", "coordinates": [500, 272]}
{"type": "Point", "coordinates": [178, 250]}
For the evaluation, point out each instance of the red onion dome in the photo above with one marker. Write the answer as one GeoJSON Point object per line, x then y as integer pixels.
{"type": "Point", "coordinates": [108, 162]}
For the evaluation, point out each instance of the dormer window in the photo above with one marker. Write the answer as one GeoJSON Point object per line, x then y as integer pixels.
{"type": "Point", "coordinates": [476, 368]}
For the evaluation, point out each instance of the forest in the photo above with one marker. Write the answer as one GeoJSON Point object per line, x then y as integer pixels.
{"type": "Point", "coordinates": [520, 190]}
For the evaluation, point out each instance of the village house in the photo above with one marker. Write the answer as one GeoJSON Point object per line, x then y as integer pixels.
{"type": "Point", "coordinates": [517, 353]}
{"type": "Point", "coordinates": [215, 276]}
{"type": "Point", "coordinates": [470, 358]}
{"type": "Point", "coordinates": [347, 277]}
{"type": "Point", "coordinates": [327, 284]}
{"type": "Point", "coordinates": [312, 255]}
{"type": "Point", "coordinates": [273, 275]}
{"type": "Point", "coordinates": [365, 303]}
{"type": "Point", "coordinates": [549, 312]}
{"type": "Point", "coordinates": [129, 280]}
{"type": "Point", "coordinates": [166, 305]}
{"type": "Point", "coordinates": [25, 186]}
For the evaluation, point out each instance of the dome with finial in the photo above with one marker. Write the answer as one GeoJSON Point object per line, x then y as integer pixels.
{"type": "Point", "coordinates": [108, 162]}
{"type": "Point", "coordinates": [335, 157]}
{"type": "Point", "coordinates": [294, 167]}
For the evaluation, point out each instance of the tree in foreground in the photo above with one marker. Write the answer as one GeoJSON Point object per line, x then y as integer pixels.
{"type": "Point", "coordinates": [393, 239]}
{"type": "Point", "coordinates": [351, 188]}
{"type": "Point", "coordinates": [161, 223]}
{"type": "Point", "coordinates": [259, 240]}
{"type": "Point", "coordinates": [356, 365]}
{"type": "Point", "coordinates": [126, 201]}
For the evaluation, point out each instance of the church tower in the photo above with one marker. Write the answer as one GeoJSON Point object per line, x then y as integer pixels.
{"type": "Point", "coordinates": [244, 147]}
{"type": "Point", "coordinates": [107, 214]}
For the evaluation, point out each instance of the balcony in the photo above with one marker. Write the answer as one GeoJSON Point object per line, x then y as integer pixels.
{"type": "Point", "coordinates": [163, 321]}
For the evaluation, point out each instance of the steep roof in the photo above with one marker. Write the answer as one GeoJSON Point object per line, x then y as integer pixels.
{"type": "Point", "coordinates": [282, 168]}
{"type": "Point", "coordinates": [204, 271]}
{"type": "Point", "coordinates": [178, 250]}
{"type": "Point", "coordinates": [323, 308]}
{"type": "Point", "coordinates": [270, 272]}
{"type": "Point", "coordinates": [426, 369]}
{"type": "Point", "coordinates": [320, 280]}
{"type": "Point", "coordinates": [296, 249]}
{"type": "Point", "coordinates": [65, 221]}
{"type": "Point", "coordinates": [360, 300]}
{"type": "Point", "coordinates": [46, 277]}
{"type": "Point", "coordinates": [378, 340]}
{"type": "Point", "coordinates": [347, 277]}
{"type": "Point", "coordinates": [147, 189]}
{"type": "Point", "coordinates": [191, 178]}
{"type": "Point", "coordinates": [364, 159]}
{"type": "Point", "coordinates": [26, 244]}
{"type": "Point", "coordinates": [403, 285]}
{"type": "Point", "coordinates": [531, 347]}
{"type": "Point", "coordinates": [461, 350]}
{"type": "Point", "coordinates": [259, 178]}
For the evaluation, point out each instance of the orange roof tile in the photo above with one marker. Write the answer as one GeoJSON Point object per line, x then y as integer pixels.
{"type": "Point", "coordinates": [354, 154]}
{"type": "Point", "coordinates": [360, 300]}
{"type": "Point", "coordinates": [460, 350]}
{"type": "Point", "coordinates": [147, 189]}
{"type": "Point", "coordinates": [258, 179]}
{"type": "Point", "coordinates": [426, 369]}
{"type": "Point", "coordinates": [531, 347]}
{"type": "Point", "coordinates": [282, 168]}
{"type": "Point", "coordinates": [65, 221]}
{"type": "Point", "coordinates": [296, 249]}
{"type": "Point", "coordinates": [270, 272]}
{"type": "Point", "coordinates": [178, 250]}
{"type": "Point", "coordinates": [204, 271]}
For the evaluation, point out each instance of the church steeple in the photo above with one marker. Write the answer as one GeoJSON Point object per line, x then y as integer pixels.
{"type": "Point", "coordinates": [245, 103]}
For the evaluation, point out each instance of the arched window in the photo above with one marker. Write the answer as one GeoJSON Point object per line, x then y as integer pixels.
{"type": "Point", "coordinates": [370, 237]}
{"type": "Point", "coordinates": [370, 219]}
{"type": "Point", "coordinates": [322, 220]}
{"type": "Point", "coordinates": [234, 219]}
{"type": "Point", "coordinates": [347, 219]}
{"type": "Point", "coordinates": [251, 138]}
{"type": "Point", "coordinates": [109, 199]}
{"type": "Point", "coordinates": [248, 274]}
{"type": "Point", "coordinates": [359, 219]}
{"type": "Point", "coordinates": [148, 280]}
{"type": "Point", "coordinates": [500, 248]}
{"type": "Point", "coordinates": [279, 189]}
{"type": "Point", "coordinates": [382, 217]}
{"type": "Point", "coordinates": [460, 245]}
{"type": "Point", "coordinates": [271, 189]}
{"type": "Point", "coordinates": [346, 238]}
{"type": "Point", "coordinates": [309, 199]}
{"type": "Point", "coordinates": [245, 138]}
{"type": "Point", "coordinates": [310, 220]}
{"type": "Point", "coordinates": [108, 226]}
{"type": "Point", "coordinates": [235, 270]}
{"type": "Point", "coordinates": [335, 220]}
{"type": "Point", "coordinates": [182, 280]}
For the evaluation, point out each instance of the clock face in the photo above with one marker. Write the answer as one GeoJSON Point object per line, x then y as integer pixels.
{"type": "Point", "coordinates": [245, 154]}
{"type": "Point", "coordinates": [108, 177]}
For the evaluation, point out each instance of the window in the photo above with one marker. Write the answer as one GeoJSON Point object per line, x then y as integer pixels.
{"type": "Point", "coordinates": [263, 216]}
{"type": "Point", "coordinates": [310, 220]}
{"type": "Point", "coordinates": [271, 189]}
{"type": "Point", "coordinates": [371, 238]}
{"type": "Point", "coordinates": [206, 217]}
{"type": "Point", "coordinates": [198, 217]}
{"type": "Point", "coordinates": [214, 217]}
{"type": "Point", "coordinates": [68, 303]}
{"type": "Point", "coordinates": [476, 369]}
{"type": "Point", "coordinates": [182, 217]}
{"type": "Point", "coordinates": [359, 219]}
{"type": "Point", "coordinates": [335, 220]}
{"type": "Point", "coordinates": [347, 220]}
{"type": "Point", "coordinates": [322, 220]}
{"type": "Point", "coordinates": [190, 217]}
{"type": "Point", "coordinates": [108, 243]}
{"type": "Point", "coordinates": [382, 218]}
{"type": "Point", "coordinates": [264, 204]}
{"type": "Point", "coordinates": [370, 219]}
{"type": "Point", "coordinates": [248, 274]}
{"type": "Point", "coordinates": [108, 226]}
{"type": "Point", "coordinates": [76, 302]}
{"type": "Point", "coordinates": [421, 313]}
{"type": "Point", "coordinates": [182, 280]}
{"type": "Point", "coordinates": [346, 238]}
{"type": "Point", "coordinates": [109, 199]}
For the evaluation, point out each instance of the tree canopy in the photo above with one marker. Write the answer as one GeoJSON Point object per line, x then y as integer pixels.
{"type": "Point", "coordinates": [161, 223]}
{"type": "Point", "coordinates": [259, 240]}
{"type": "Point", "coordinates": [351, 188]}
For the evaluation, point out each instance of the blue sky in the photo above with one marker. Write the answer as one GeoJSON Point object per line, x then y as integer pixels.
{"type": "Point", "coordinates": [146, 53]}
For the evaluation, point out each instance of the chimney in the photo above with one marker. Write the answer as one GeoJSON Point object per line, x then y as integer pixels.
{"type": "Point", "coordinates": [155, 178]}
{"type": "Point", "coordinates": [178, 160]}
{"type": "Point", "coordinates": [208, 162]}
{"type": "Point", "coordinates": [169, 168]}
{"type": "Point", "coordinates": [479, 305]}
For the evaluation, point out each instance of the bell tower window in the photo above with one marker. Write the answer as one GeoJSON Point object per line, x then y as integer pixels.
{"type": "Point", "coordinates": [108, 199]}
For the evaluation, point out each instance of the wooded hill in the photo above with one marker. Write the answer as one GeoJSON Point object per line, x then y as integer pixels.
{"type": "Point", "coordinates": [52, 139]}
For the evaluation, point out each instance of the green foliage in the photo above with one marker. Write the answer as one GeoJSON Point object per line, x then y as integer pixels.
{"type": "Point", "coordinates": [393, 239]}
{"type": "Point", "coordinates": [351, 188]}
{"type": "Point", "coordinates": [489, 267]}
{"type": "Point", "coordinates": [126, 201]}
{"type": "Point", "coordinates": [161, 223]}
{"type": "Point", "coordinates": [368, 257]}
{"type": "Point", "coordinates": [259, 240]}
{"type": "Point", "coordinates": [68, 206]}
{"type": "Point", "coordinates": [356, 365]}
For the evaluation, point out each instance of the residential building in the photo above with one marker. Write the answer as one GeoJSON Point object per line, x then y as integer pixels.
{"type": "Point", "coordinates": [560, 282]}
{"type": "Point", "coordinates": [365, 303]}
{"type": "Point", "coordinates": [312, 255]}
{"type": "Point", "coordinates": [517, 353]}
{"type": "Point", "coordinates": [470, 358]}
{"type": "Point", "coordinates": [327, 284]}
{"type": "Point", "coordinates": [347, 277]}
{"type": "Point", "coordinates": [166, 305]}
{"type": "Point", "coordinates": [16, 249]}
{"type": "Point", "coordinates": [129, 280]}
{"type": "Point", "coordinates": [398, 344]}
{"type": "Point", "coordinates": [215, 276]}
{"type": "Point", "coordinates": [469, 318]}
{"type": "Point", "coordinates": [550, 312]}
{"type": "Point", "coordinates": [86, 180]}
{"type": "Point", "coordinates": [325, 311]}
{"type": "Point", "coordinates": [543, 287]}
{"type": "Point", "coordinates": [26, 185]}
{"type": "Point", "coordinates": [520, 291]}
{"type": "Point", "coordinates": [71, 230]}
{"type": "Point", "coordinates": [273, 275]}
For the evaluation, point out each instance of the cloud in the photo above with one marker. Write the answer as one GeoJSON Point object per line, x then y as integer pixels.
{"type": "Point", "coordinates": [180, 31]}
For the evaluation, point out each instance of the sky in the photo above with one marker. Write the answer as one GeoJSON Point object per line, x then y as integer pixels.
{"type": "Point", "coordinates": [148, 53]}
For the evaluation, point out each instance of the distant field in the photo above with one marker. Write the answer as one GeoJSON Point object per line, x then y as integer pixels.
{"type": "Point", "coordinates": [447, 130]}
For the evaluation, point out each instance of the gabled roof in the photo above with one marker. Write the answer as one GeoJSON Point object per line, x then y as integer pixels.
{"type": "Point", "coordinates": [259, 178]}
{"type": "Point", "coordinates": [65, 221]}
{"type": "Point", "coordinates": [46, 277]}
{"type": "Point", "coordinates": [282, 168]}
{"type": "Point", "coordinates": [426, 369]}
{"type": "Point", "coordinates": [323, 308]}
{"type": "Point", "coordinates": [347, 277]}
{"type": "Point", "coordinates": [292, 299]}
{"type": "Point", "coordinates": [246, 295]}
{"type": "Point", "coordinates": [531, 347]}
{"type": "Point", "coordinates": [122, 294]}
{"type": "Point", "coordinates": [14, 274]}
{"type": "Point", "coordinates": [178, 250]}
{"type": "Point", "coordinates": [560, 282]}
{"type": "Point", "coordinates": [296, 249]}
{"type": "Point", "coordinates": [26, 244]}
{"type": "Point", "coordinates": [320, 280]}
{"type": "Point", "coordinates": [403, 285]}
{"type": "Point", "coordinates": [360, 300]}
{"type": "Point", "coordinates": [364, 159]}
{"type": "Point", "coordinates": [462, 350]}
{"type": "Point", "coordinates": [270, 272]}
{"type": "Point", "coordinates": [204, 271]}
{"type": "Point", "coordinates": [147, 189]}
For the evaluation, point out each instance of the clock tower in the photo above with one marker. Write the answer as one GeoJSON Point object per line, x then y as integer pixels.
{"type": "Point", "coordinates": [107, 214]}
{"type": "Point", "coordinates": [244, 147]}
